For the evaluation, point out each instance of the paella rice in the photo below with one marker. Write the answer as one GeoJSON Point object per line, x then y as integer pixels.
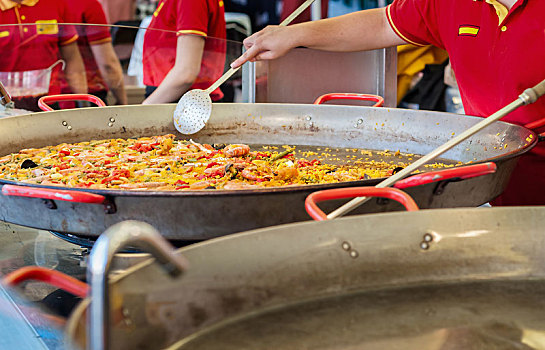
{"type": "Point", "coordinates": [164, 163]}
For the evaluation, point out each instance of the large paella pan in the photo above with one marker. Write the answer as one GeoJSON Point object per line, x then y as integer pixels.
{"type": "Point", "coordinates": [205, 214]}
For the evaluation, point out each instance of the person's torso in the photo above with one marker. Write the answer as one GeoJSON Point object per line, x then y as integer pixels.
{"type": "Point", "coordinates": [495, 62]}
{"type": "Point", "coordinates": [34, 43]}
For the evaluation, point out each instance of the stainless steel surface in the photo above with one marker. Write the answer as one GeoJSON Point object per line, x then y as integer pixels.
{"type": "Point", "coordinates": [206, 214]}
{"type": "Point", "coordinates": [304, 74]}
{"type": "Point", "coordinates": [527, 97]}
{"type": "Point", "coordinates": [116, 238]}
{"type": "Point", "coordinates": [356, 282]}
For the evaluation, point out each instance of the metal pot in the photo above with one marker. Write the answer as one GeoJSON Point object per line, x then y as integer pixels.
{"type": "Point", "coordinates": [206, 214]}
{"type": "Point", "coordinates": [431, 279]}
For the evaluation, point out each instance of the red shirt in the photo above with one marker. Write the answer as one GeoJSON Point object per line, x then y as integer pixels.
{"type": "Point", "coordinates": [30, 47]}
{"type": "Point", "coordinates": [495, 57]}
{"type": "Point", "coordinates": [198, 17]}
{"type": "Point", "coordinates": [90, 11]}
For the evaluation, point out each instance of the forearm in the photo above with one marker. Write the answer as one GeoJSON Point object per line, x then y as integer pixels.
{"type": "Point", "coordinates": [172, 88]}
{"type": "Point", "coordinates": [111, 70]}
{"type": "Point", "coordinates": [75, 69]}
{"type": "Point", "coordinates": [75, 76]}
{"type": "Point", "coordinates": [113, 75]}
{"type": "Point", "coordinates": [189, 50]}
{"type": "Point", "coordinates": [358, 31]}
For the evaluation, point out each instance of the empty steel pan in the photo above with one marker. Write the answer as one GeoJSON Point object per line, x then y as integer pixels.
{"type": "Point", "coordinates": [430, 279]}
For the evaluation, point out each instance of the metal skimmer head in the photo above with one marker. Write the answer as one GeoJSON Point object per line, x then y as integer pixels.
{"type": "Point", "coordinates": [193, 111]}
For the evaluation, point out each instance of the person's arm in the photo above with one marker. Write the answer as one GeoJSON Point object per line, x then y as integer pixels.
{"type": "Point", "coordinates": [111, 70]}
{"type": "Point", "coordinates": [189, 51]}
{"type": "Point", "coordinates": [74, 70]}
{"type": "Point", "coordinates": [358, 31]}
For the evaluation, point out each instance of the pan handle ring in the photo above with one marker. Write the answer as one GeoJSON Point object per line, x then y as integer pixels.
{"type": "Point", "coordinates": [52, 277]}
{"type": "Point", "coordinates": [379, 100]}
{"type": "Point", "coordinates": [44, 101]}
{"type": "Point", "coordinates": [340, 193]}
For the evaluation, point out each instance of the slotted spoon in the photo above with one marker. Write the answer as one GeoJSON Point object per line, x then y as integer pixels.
{"type": "Point", "coordinates": [195, 106]}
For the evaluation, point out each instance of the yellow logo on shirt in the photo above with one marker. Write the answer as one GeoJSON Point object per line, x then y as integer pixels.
{"type": "Point", "coordinates": [47, 27]}
{"type": "Point", "coordinates": [468, 30]}
{"type": "Point", "coordinates": [4, 34]}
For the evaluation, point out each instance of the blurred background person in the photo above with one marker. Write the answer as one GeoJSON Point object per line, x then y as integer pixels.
{"type": "Point", "coordinates": [103, 69]}
{"type": "Point", "coordinates": [41, 43]}
{"type": "Point", "coordinates": [187, 55]}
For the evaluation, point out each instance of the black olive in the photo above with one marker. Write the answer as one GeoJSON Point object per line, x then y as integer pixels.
{"type": "Point", "coordinates": [219, 146]}
{"type": "Point", "coordinates": [210, 188]}
{"type": "Point", "coordinates": [28, 164]}
{"type": "Point", "coordinates": [397, 170]}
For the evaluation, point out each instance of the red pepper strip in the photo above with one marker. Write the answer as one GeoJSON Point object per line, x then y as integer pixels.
{"type": "Point", "coordinates": [211, 164]}
{"type": "Point", "coordinates": [64, 152]}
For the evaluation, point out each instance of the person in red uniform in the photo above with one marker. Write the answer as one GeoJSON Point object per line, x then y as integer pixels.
{"type": "Point", "coordinates": [102, 66]}
{"type": "Point", "coordinates": [496, 47]}
{"type": "Point", "coordinates": [42, 42]}
{"type": "Point", "coordinates": [186, 56]}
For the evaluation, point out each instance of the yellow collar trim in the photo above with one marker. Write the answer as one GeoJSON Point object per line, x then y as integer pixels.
{"type": "Point", "coordinates": [501, 10]}
{"type": "Point", "coordinates": [8, 4]}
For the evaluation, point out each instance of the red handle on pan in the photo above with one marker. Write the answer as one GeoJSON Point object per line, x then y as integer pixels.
{"type": "Point", "coordinates": [48, 193]}
{"type": "Point", "coordinates": [52, 277]}
{"type": "Point", "coordinates": [350, 96]}
{"type": "Point", "coordinates": [43, 101]}
{"type": "Point", "coordinates": [339, 193]}
{"type": "Point", "coordinates": [462, 173]}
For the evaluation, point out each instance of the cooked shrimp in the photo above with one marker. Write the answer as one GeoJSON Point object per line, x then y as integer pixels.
{"type": "Point", "coordinates": [236, 150]}
{"type": "Point", "coordinates": [249, 173]}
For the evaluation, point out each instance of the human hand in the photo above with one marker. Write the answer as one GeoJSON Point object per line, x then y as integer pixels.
{"type": "Point", "coordinates": [267, 44]}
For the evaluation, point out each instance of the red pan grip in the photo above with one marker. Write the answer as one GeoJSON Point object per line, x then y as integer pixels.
{"type": "Point", "coordinates": [339, 193]}
{"type": "Point", "coordinates": [462, 173]}
{"type": "Point", "coordinates": [52, 277]}
{"type": "Point", "coordinates": [47, 193]}
{"type": "Point", "coordinates": [350, 96]}
{"type": "Point", "coordinates": [43, 101]}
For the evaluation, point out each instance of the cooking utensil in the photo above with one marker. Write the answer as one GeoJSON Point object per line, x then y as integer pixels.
{"type": "Point", "coordinates": [409, 131]}
{"type": "Point", "coordinates": [195, 106]}
{"type": "Point", "coordinates": [402, 276]}
{"type": "Point", "coordinates": [5, 97]}
{"type": "Point", "coordinates": [529, 96]}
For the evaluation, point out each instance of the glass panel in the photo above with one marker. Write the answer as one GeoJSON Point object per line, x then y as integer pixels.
{"type": "Point", "coordinates": [37, 60]}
